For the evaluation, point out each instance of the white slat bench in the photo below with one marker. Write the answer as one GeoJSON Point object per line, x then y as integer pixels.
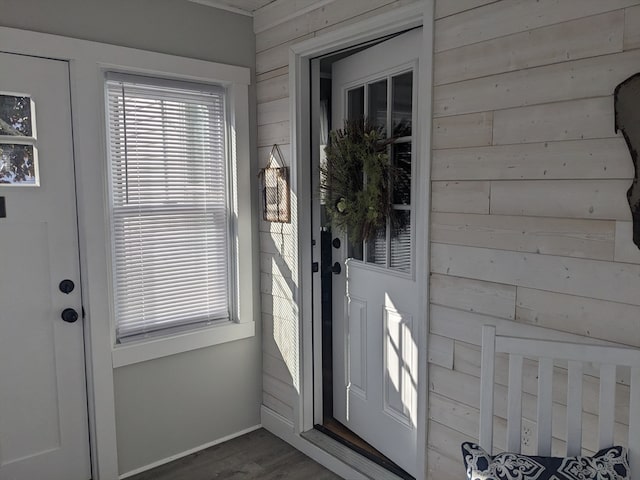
{"type": "Point", "coordinates": [576, 355]}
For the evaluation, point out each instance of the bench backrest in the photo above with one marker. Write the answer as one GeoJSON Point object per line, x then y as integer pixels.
{"type": "Point", "coordinates": [578, 357]}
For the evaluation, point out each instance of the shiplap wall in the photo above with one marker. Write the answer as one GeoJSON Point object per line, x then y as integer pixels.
{"type": "Point", "coordinates": [530, 225]}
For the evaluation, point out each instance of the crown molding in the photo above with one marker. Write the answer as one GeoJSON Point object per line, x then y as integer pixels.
{"type": "Point", "coordinates": [222, 6]}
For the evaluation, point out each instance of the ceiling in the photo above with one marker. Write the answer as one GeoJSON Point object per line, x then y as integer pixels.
{"type": "Point", "coordinates": [246, 7]}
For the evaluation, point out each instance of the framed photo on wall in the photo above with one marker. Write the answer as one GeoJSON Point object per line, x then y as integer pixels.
{"type": "Point", "coordinates": [18, 152]}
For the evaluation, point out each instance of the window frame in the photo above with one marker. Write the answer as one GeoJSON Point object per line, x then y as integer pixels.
{"type": "Point", "coordinates": [241, 323]}
{"type": "Point", "coordinates": [364, 83]}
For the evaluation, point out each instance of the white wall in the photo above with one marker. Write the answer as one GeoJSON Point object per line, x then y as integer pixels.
{"type": "Point", "coordinates": [173, 404]}
{"type": "Point", "coordinates": [175, 27]}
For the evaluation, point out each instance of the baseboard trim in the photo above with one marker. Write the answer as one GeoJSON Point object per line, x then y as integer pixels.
{"type": "Point", "coordinates": [177, 456]}
{"type": "Point", "coordinates": [277, 424]}
{"type": "Point", "coordinates": [283, 428]}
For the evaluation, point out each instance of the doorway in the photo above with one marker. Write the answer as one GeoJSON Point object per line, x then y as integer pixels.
{"type": "Point", "coordinates": [369, 291]}
{"type": "Point", "coordinates": [43, 398]}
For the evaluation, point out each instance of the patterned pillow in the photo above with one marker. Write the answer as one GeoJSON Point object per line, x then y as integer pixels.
{"type": "Point", "coordinates": [608, 464]}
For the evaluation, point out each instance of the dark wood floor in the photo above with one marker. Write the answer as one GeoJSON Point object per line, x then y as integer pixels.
{"type": "Point", "coordinates": [256, 455]}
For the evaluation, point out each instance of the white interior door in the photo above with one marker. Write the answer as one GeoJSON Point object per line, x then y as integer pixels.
{"type": "Point", "coordinates": [376, 297]}
{"type": "Point", "coordinates": [43, 405]}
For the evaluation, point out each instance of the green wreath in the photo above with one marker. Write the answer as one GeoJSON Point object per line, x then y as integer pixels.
{"type": "Point", "coordinates": [357, 179]}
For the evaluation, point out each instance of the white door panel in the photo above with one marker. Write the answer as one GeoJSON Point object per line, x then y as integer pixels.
{"type": "Point", "coordinates": [376, 297]}
{"type": "Point", "coordinates": [43, 406]}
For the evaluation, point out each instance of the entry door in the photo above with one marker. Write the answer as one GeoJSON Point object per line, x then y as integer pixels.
{"type": "Point", "coordinates": [375, 297]}
{"type": "Point", "coordinates": [43, 405]}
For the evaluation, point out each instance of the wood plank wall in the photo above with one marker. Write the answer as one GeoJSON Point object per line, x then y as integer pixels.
{"type": "Point", "coordinates": [530, 225]}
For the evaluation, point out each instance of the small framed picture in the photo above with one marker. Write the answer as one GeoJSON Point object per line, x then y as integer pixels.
{"type": "Point", "coordinates": [275, 192]}
{"type": "Point", "coordinates": [18, 150]}
{"type": "Point", "coordinates": [16, 116]}
{"type": "Point", "coordinates": [18, 164]}
{"type": "Point", "coordinates": [275, 189]}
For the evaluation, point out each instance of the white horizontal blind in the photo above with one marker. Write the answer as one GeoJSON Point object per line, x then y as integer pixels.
{"type": "Point", "coordinates": [169, 209]}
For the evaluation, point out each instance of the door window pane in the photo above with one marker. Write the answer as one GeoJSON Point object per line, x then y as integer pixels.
{"type": "Point", "coordinates": [402, 87]}
{"type": "Point", "coordinates": [378, 104]}
{"type": "Point", "coordinates": [401, 158]}
{"type": "Point", "coordinates": [355, 111]}
{"type": "Point", "coordinates": [355, 250]}
{"type": "Point", "coordinates": [377, 248]}
{"type": "Point", "coordinates": [389, 106]}
{"type": "Point", "coordinates": [401, 240]}
{"type": "Point", "coordinates": [355, 103]}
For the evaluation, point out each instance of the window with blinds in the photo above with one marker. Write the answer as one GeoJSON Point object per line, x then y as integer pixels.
{"type": "Point", "coordinates": [169, 204]}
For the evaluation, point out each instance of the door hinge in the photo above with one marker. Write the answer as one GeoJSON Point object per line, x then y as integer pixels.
{"type": "Point", "coordinates": [315, 268]}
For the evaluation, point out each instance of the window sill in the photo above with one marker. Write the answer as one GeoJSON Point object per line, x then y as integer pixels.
{"type": "Point", "coordinates": [149, 349]}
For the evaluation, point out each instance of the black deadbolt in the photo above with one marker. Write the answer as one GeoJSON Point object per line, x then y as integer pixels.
{"type": "Point", "coordinates": [66, 286]}
{"type": "Point", "coordinates": [336, 242]}
{"type": "Point", "coordinates": [336, 268]}
{"type": "Point", "coordinates": [69, 315]}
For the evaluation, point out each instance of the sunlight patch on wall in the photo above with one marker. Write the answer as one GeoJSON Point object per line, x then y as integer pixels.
{"type": "Point", "coordinates": [282, 287]}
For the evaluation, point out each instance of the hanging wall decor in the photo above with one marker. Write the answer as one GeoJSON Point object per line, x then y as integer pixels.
{"type": "Point", "coordinates": [627, 120]}
{"type": "Point", "coordinates": [275, 189]}
{"type": "Point", "coordinates": [357, 179]}
{"type": "Point", "coordinates": [18, 152]}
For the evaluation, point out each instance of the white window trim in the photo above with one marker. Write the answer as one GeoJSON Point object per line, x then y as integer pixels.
{"type": "Point", "coordinates": [143, 350]}
{"type": "Point", "coordinates": [148, 349]}
{"type": "Point", "coordinates": [88, 61]}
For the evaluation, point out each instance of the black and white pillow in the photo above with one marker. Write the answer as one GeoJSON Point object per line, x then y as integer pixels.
{"type": "Point", "coordinates": [608, 464]}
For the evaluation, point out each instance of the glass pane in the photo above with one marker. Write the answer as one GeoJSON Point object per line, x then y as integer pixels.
{"type": "Point", "coordinates": [18, 165]}
{"type": "Point", "coordinates": [377, 248]}
{"type": "Point", "coordinates": [355, 104]}
{"type": "Point", "coordinates": [402, 87]}
{"type": "Point", "coordinates": [15, 116]}
{"type": "Point", "coordinates": [355, 250]}
{"type": "Point", "coordinates": [401, 158]}
{"type": "Point", "coordinates": [169, 212]}
{"type": "Point", "coordinates": [378, 104]}
{"type": "Point", "coordinates": [401, 240]}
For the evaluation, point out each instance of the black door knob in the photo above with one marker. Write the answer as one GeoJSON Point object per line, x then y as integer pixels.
{"type": "Point", "coordinates": [69, 315]}
{"type": "Point", "coordinates": [66, 286]}
{"type": "Point", "coordinates": [336, 268]}
{"type": "Point", "coordinates": [336, 242]}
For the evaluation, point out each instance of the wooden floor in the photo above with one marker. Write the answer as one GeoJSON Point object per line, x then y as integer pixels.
{"type": "Point", "coordinates": [256, 455]}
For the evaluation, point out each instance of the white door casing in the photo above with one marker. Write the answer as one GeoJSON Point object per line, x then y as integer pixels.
{"type": "Point", "coordinates": [377, 298]}
{"type": "Point", "coordinates": [43, 404]}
